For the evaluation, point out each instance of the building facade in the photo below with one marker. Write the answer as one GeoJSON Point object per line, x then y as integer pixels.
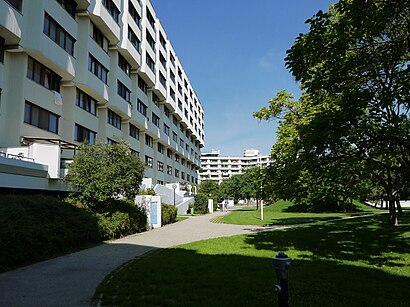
{"type": "Point", "coordinates": [218, 168]}
{"type": "Point", "coordinates": [97, 70]}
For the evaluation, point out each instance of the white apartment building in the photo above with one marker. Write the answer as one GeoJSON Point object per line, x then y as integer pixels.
{"type": "Point", "coordinates": [218, 168]}
{"type": "Point", "coordinates": [95, 70]}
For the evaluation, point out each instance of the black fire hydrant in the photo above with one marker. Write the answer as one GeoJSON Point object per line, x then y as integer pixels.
{"type": "Point", "coordinates": [281, 264]}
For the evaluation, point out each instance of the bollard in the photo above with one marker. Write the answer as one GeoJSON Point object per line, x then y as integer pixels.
{"type": "Point", "coordinates": [281, 264]}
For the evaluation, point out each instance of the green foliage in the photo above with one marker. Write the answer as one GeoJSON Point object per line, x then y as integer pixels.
{"type": "Point", "coordinates": [120, 218]}
{"type": "Point", "coordinates": [101, 172]}
{"type": "Point", "coordinates": [36, 227]}
{"type": "Point", "coordinates": [201, 203]}
{"type": "Point", "coordinates": [211, 189]}
{"type": "Point", "coordinates": [168, 214]}
{"type": "Point", "coordinates": [350, 130]}
{"type": "Point", "coordinates": [147, 192]}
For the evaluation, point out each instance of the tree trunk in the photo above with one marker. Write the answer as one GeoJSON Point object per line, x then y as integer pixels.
{"type": "Point", "coordinates": [399, 208]}
{"type": "Point", "coordinates": [257, 204]}
{"type": "Point", "coordinates": [392, 211]}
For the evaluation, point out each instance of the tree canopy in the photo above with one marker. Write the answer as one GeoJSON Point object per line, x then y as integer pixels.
{"type": "Point", "coordinates": [351, 125]}
{"type": "Point", "coordinates": [101, 172]}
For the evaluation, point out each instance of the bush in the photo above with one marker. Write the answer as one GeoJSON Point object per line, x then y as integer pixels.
{"type": "Point", "coordinates": [119, 218]}
{"type": "Point", "coordinates": [168, 214]}
{"type": "Point", "coordinates": [37, 227]}
{"type": "Point", "coordinates": [201, 203]}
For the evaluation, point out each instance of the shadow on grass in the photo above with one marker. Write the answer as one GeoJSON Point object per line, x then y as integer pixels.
{"type": "Point", "coordinates": [368, 240]}
{"type": "Point", "coordinates": [300, 220]}
{"type": "Point", "coordinates": [180, 277]}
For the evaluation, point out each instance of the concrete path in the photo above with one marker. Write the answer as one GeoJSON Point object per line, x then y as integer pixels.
{"type": "Point", "coordinates": [71, 280]}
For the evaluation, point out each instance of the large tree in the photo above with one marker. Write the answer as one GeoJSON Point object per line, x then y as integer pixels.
{"type": "Point", "coordinates": [353, 67]}
{"type": "Point", "coordinates": [101, 172]}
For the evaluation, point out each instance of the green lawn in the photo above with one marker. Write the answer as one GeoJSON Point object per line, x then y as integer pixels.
{"type": "Point", "coordinates": [356, 262]}
{"type": "Point", "coordinates": [281, 213]}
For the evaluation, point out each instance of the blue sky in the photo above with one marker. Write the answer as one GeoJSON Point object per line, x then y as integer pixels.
{"type": "Point", "coordinates": [232, 52]}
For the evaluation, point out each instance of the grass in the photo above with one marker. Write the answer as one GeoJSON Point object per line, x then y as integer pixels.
{"type": "Point", "coordinates": [356, 262]}
{"type": "Point", "coordinates": [281, 213]}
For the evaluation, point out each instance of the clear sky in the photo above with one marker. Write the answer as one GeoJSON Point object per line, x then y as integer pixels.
{"type": "Point", "coordinates": [232, 52]}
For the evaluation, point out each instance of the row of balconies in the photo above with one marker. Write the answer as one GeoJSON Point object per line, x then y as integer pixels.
{"type": "Point", "coordinates": [73, 69]}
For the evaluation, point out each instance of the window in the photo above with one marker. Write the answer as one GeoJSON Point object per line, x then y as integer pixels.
{"type": "Point", "coordinates": [172, 76]}
{"type": "Point", "coordinates": [17, 4]}
{"type": "Point", "coordinates": [149, 141]}
{"type": "Point", "coordinates": [57, 33]}
{"type": "Point", "coordinates": [179, 104]}
{"type": "Point", "coordinates": [112, 9]}
{"type": "Point", "coordinates": [172, 93]}
{"type": "Point", "coordinates": [97, 69]}
{"type": "Point", "coordinates": [183, 162]}
{"type": "Point", "coordinates": [134, 14]}
{"type": "Point", "coordinates": [162, 60]}
{"type": "Point", "coordinates": [169, 170]}
{"type": "Point", "coordinates": [99, 38]}
{"type": "Point", "coordinates": [69, 5]}
{"type": "Point", "coordinates": [162, 80]}
{"type": "Point", "coordinates": [40, 118]}
{"type": "Point", "coordinates": [155, 119]}
{"type": "Point", "coordinates": [132, 37]}
{"type": "Point", "coordinates": [180, 88]}
{"type": "Point", "coordinates": [166, 111]}
{"type": "Point", "coordinates": [160, 182]}
{"type": "Point", "coordinates": [182, 175]}
{"type": "Point", "coordinates": [166, 129]}
{"type": "Point", "coordinates": [174, 120]}
{"type": "Point", "coordinates": [123, 91]}
{"type": "Point", "coordinates": [176, 173]}
{"type": "Point", "coordinates": [174, 137]}
{"type": "Point", "coordinates": [150, 18]}
{"type": "Point", "coordinates": [142, 85]}
{"type": "Point", "coordinates": [162, 40]}
{"type": "Point", "coordinates": [142, 108]}
{"type": "Point", "coordinates": [150, 62]}
{"type": "Point", "coordinates": [134, 152]}
{"type": "Point", "coordinates": [160, 166]}
{"type": "Point", "coordinates": [114, 119]}
{"type": "Point", "coordinates": [172, 59]}
{"type": "Point", "coordinates": [86, 102]}
{"type": "Point", "coordinates": [176, 158]}
{"type": "Point", "coordinates": [160, 148]}
{"type": "Point", "coordinates": [2, 48]}
{"type": "Point", "coordinates": [124, 65]}
{"type": "Point", "coordinates": [82, 134]}
{"type": "Point", "coordinates": [150, 40]}
{"type": "Point", "coordinates": [149, 161]}
{"type": "Point", "coordinates": [155, 99]}
{"type": "Point", "coordinates": [169, 153]}
{"type": "Point", "coordinates": [111, 141]}
{"type": "Point", "coordinates": [42, 75]}
{"type": "Point", "coordinates": [134, 132]}
{"type": "Point", "coordinates": [181, 142]}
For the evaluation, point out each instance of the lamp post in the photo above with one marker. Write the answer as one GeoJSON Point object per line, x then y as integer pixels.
{"type": "Point", "coordinates": [174, 186]}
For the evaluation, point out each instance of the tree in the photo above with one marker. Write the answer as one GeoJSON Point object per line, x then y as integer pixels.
{"type": "Point", "coordinates": [101, 172]}
{"type": "Point", "coordinates": [210, 188]}
{"type": "Point", "coordinates": [353, 66]}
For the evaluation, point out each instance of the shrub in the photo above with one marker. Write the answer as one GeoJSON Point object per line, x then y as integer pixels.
{"type": "Point", "coordinates": [37, 227]}
{"type": "Point", "coordinates": [119, 218]}
{"type": "Point", "coordinates": [168, 214]}
{"type": "Point", "coordinates": [201, 203]}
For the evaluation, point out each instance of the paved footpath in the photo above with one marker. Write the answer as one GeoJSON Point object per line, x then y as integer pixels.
{"type": "Point", "coordinates": [71, 280]}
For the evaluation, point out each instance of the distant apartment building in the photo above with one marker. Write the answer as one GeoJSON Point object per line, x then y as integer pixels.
{"type": "Point", "coordinates": [218, 168]}
{"type": "Point", "coordinates": [94, 71]}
